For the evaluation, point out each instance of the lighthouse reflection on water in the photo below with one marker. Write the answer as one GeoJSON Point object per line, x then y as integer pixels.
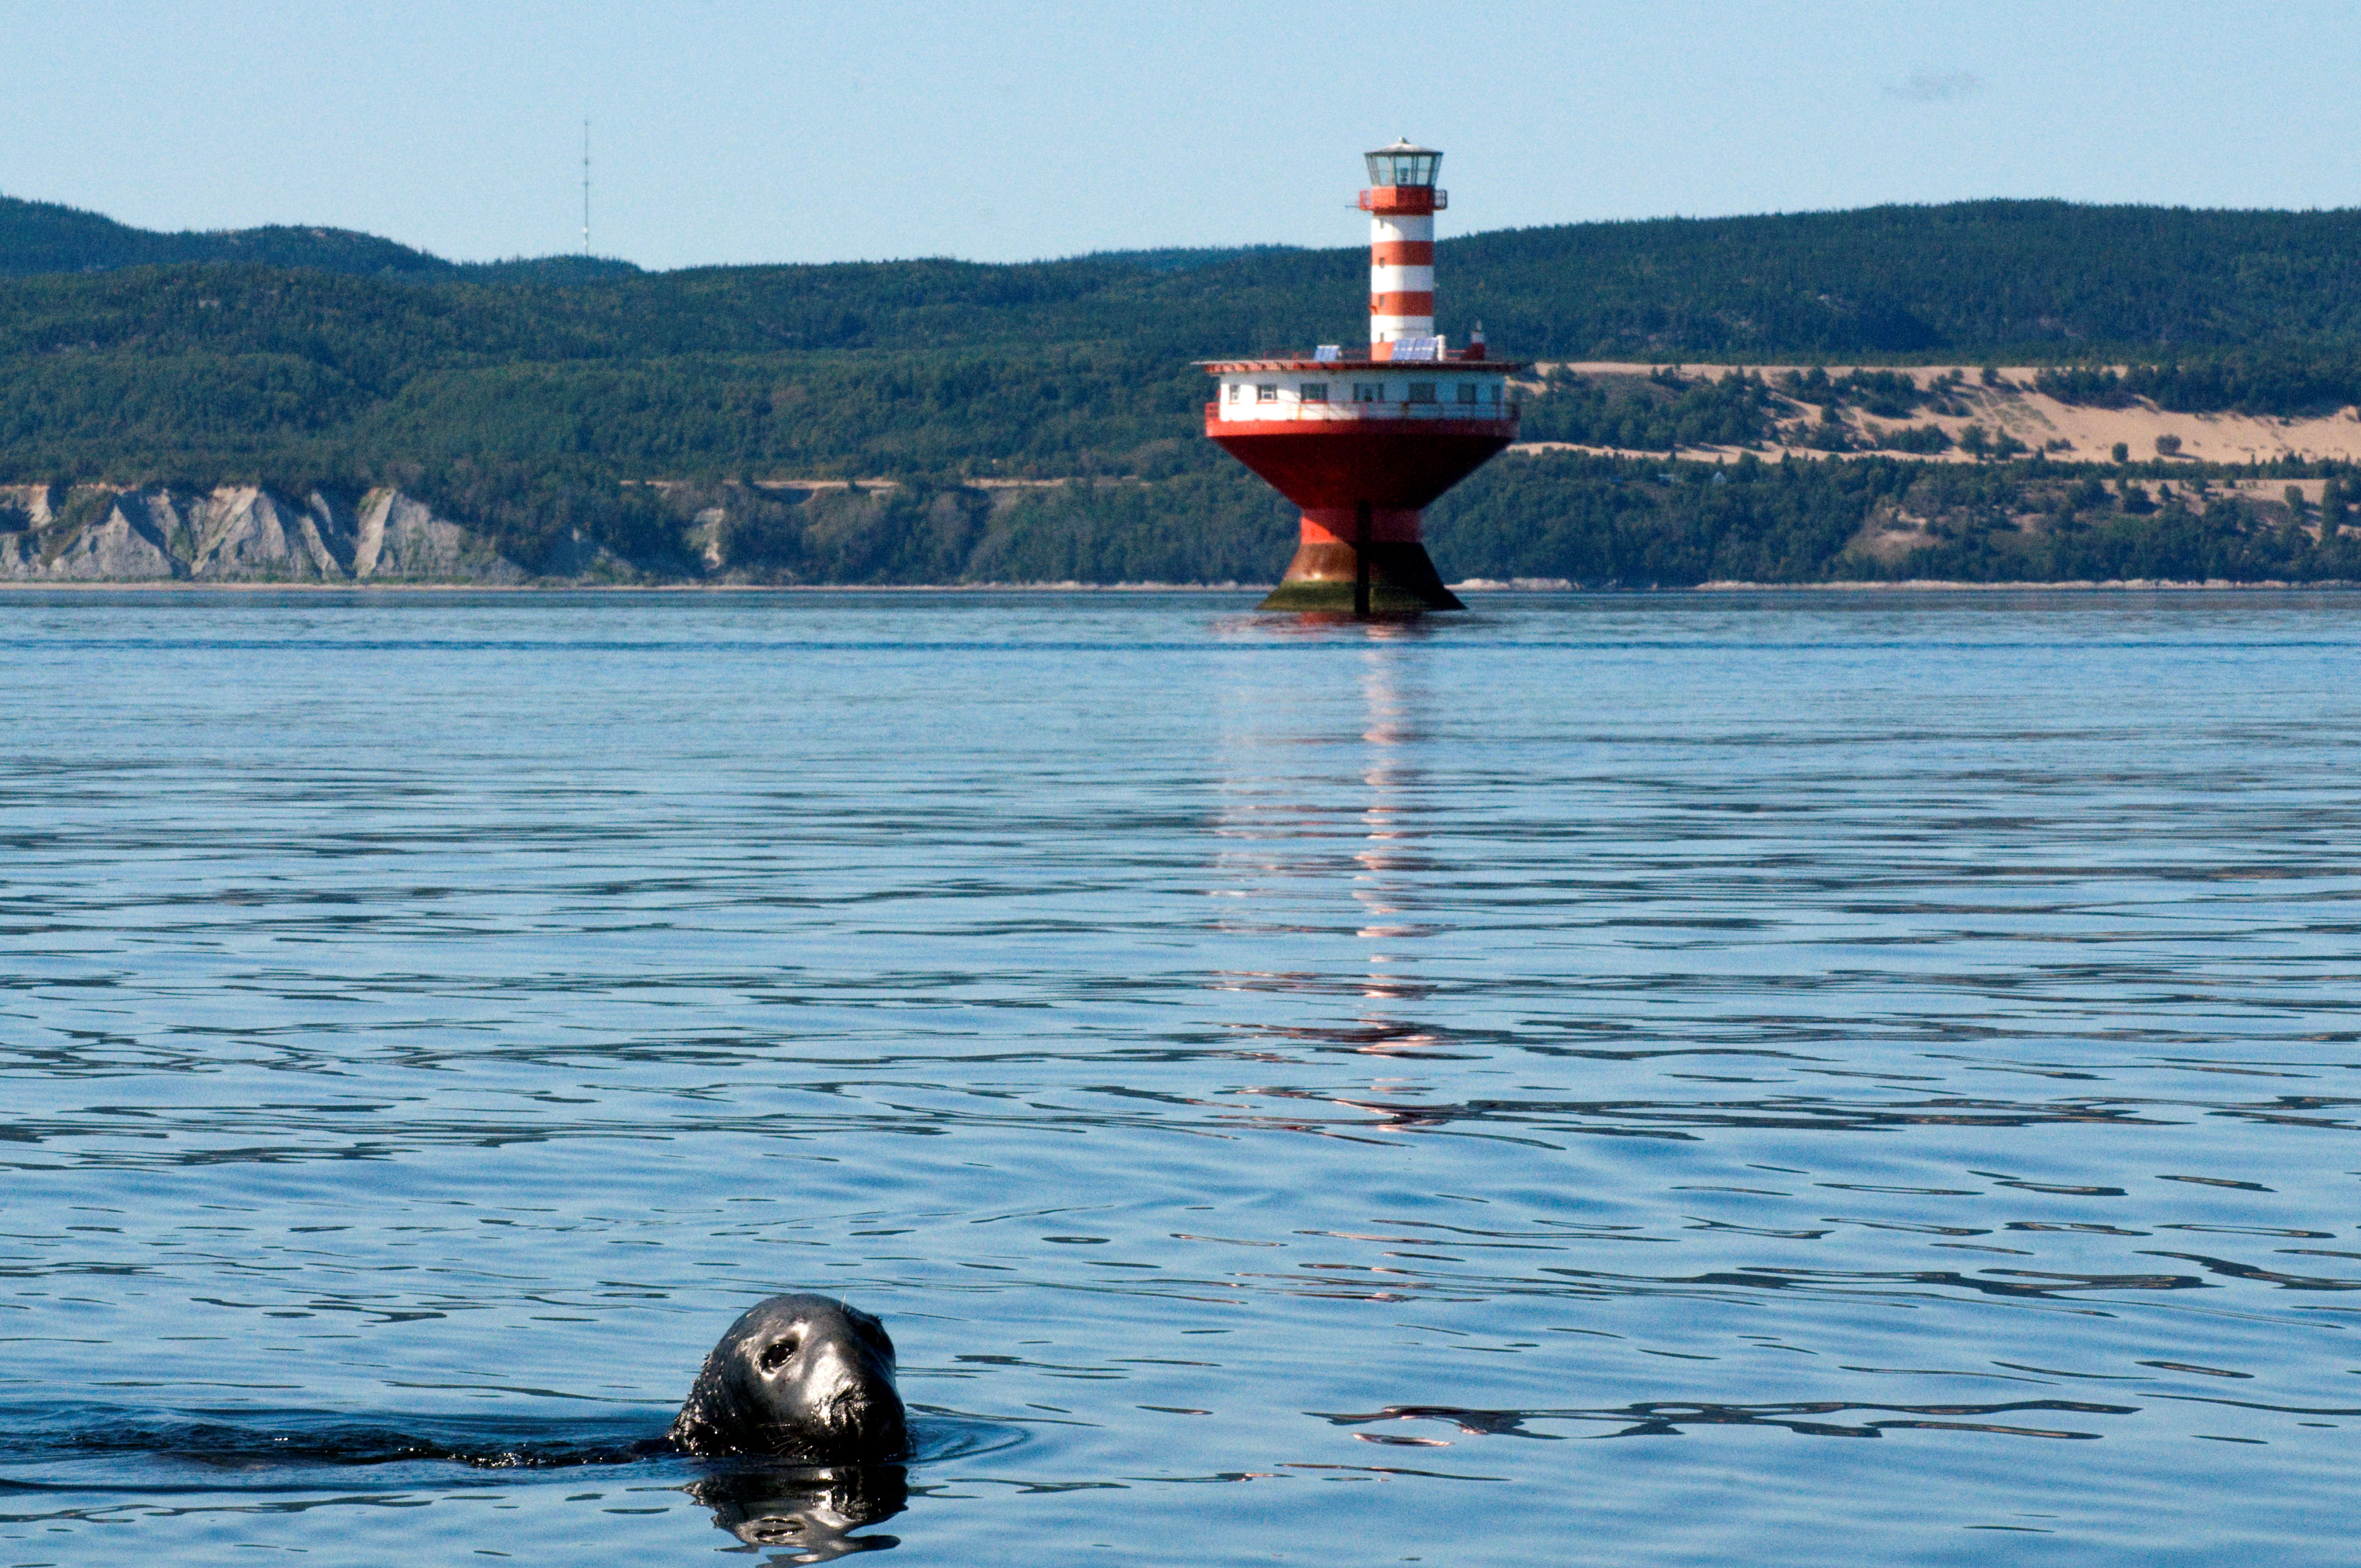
{"type": "Point", "coordinates": [1323, 868]}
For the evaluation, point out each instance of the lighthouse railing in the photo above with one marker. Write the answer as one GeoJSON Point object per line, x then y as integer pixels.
{"type": "Point", "coordinates": [1349, 413]}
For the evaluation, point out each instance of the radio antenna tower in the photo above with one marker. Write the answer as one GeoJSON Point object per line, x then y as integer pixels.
{"type": "Point", "coordinates": [585, 185]}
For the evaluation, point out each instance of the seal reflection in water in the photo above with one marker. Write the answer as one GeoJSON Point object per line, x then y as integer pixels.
{"type": "Point", "coordinates": [804, 1378]}
{"type": "Point", "coordinates": [812, 1511]}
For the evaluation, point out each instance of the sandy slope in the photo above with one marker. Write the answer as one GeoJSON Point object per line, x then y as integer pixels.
{"type": "Point", "coordinates": [2037, 420]}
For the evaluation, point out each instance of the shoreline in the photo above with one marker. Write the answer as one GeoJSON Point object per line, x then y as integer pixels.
{"type": "Point", "coordinates": [2108, 585]}
{"type": "Point", "coordinates": [1478, 586]}
{"type": "Point", "coordinates": [172, 584]}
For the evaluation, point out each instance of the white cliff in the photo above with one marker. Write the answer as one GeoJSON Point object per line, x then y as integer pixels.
{"type": "Point", "coordinates": [245, 534]}
{"type": "Point", "coordinates": [235, 534]}
{"type": "Point", "coordinates": [401, 538]}
{"type": "Point", "coordinates": [128, 542]}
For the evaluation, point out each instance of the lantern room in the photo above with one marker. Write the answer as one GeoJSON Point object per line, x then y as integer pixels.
{"type": "Point", "coordinates": [1402, 164]}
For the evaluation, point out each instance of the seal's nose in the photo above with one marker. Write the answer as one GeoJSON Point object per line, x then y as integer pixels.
{"type": "Point", "coordinates": [842, 1372]}
{"type": "Point", "coordinates": [852, 1396]}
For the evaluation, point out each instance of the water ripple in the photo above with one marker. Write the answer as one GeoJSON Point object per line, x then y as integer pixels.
{"type": "Point", "coordinates": [1231, 1057]}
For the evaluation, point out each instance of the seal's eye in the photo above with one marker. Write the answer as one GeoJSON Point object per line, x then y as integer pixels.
{"type": "Point", "coordinates": [774, 1355]}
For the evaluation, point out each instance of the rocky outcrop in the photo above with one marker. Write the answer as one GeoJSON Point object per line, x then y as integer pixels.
{"type": "Point", "coordinates": [245, 535]}
{"type": "Point", "coordinates": [128, 544]}
{"type": "Point", "coordinates": [25, 507]}
{"type": "Point", "coordinates": [235, 534]}
{"type": "Point", "coordinates": [402, 539]}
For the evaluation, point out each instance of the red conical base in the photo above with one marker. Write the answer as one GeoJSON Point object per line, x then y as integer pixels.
{"type": "Point", "coordinates": [1393, 464]}
{"type": "Point", "coordinates": [1363, 485]}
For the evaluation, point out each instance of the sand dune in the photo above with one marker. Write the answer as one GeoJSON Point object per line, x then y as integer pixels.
{"type": "Point", "coordinates": [2015, 409]}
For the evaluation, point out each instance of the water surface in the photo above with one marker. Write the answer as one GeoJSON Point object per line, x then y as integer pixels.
{"type": "Point", "coordinates": [1622, 1078]}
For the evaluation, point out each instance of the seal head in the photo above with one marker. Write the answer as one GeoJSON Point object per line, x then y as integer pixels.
{"type": "Point", "coordinates": [800, 1377]}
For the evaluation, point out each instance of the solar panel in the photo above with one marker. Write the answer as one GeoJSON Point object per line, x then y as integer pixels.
{"type": "Point", "coordinates": [1426, 348]}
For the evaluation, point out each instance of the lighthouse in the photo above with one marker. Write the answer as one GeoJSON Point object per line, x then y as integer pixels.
{"type": "Point", "coordinates": [1365, 439]}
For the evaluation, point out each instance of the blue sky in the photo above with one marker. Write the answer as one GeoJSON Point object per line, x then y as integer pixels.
{"type": "Point", "coordinates": [727, 131]}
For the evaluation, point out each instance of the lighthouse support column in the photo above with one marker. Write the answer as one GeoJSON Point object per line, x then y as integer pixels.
{"type": "Point", "coordinates": [1361, 563]}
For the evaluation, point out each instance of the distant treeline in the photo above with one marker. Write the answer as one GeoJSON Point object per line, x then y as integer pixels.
{"type": "Point", "coordinates": [1669, 410]}
{"type": "Point", "coordinates": [1599, 521]}
{"type": "Point", "coordinates": [2000, 282]}
{"type": "Point", "coordinates": [533, 397]}
{"type": "Point", "coordinates": [1615, 523]}
{"type": "Point", "coordinates": [44, 237]}
{"type": "Point", "coordinates": [1221, 526]}
{"type": "Point", "coordinates": [2272, 379]}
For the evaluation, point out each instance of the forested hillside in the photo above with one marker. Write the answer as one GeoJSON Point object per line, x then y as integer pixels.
{"type": "Point", "coordinates": [44, 236]}
{"type": "Point", "coordinates": [530, 396]}
{"type": "Point", "coordinates": [2024, 281]}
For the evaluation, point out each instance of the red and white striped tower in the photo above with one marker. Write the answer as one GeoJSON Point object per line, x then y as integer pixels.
{"type": "Point", "coordinates": [1401, 202]}
{"type": "Point", "coordinates": [1365, 440]}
